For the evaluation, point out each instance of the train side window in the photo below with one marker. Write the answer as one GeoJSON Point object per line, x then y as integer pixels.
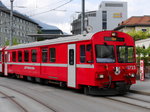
{"type": "Point", "coordinates": [14, 56]}
{"type": "Point", "coordinates": [71, 57]}
{"type": "Point", "coordinates": [34, 55]}
{"type": "Point", "coordinates": [82, 54]}
{"type": "Point", "coordinates": [88, 47]}
{"type": "Point", "coordinates": [26, 56]}
{"type": "Point", "coordinates": [0, 56]}
{"type": "Point", "coordinates": [52, 54]}
{"type": "Point", "coordinates": [19, 56]}
{"type": "Point", "coordinates": [44, 55]}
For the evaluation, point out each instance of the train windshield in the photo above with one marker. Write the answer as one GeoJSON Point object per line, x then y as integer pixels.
{"type": "Point", "coordinates": [105, 54]}
{"type": "Point", "coordinates": [125, 54]}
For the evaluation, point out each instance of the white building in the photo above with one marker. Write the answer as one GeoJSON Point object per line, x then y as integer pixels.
{"type": "Point", "coordinates": [143, 43]}
{"type": "Point", "coordinates": [109, 15]}
{"type": "Point", "coordinates": [135, 23]}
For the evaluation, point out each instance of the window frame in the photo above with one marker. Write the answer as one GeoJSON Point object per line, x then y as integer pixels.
{"type": "Point", "coordinates": [52, 57]}
{"type": "Point", "coordinates": [20, 56]}
{"type": "Point", "coordinates": [14, 57]}
{"type": "Point", "coordinates": [0, 56]}
{"type": "Point", "coordinates": [108, 58]}
{"type": "Point", "coordinates": [34, 55]}
{"type": "Point", "coordinates": [83, 54]}
{"type": "Point", "coordinates": [44, 61]}
{"type": "Point", "coordinates": [126, 52]}
{"type": "Point", "coordinates": [25, 53]}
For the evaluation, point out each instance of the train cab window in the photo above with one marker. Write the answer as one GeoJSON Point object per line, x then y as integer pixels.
{"type": "Point", "coordinates": [14, 56]}
{"type": "Point", "coordinates": [19, 56]}
{"type": "Point", "coordinates": [88, 47]}
{"type": "Point", "coordinates": [125, 54]}
{"type": "Point", "coordinates": [82, 54]}
{"type": "Point", "coordinates": [26, 55]}
{"type": "Point", "coordinates": [0, 56]}
{"type": "Point", "coordinates": [52, 54]}
{"type": "Point", "coordinates": [105, 54]}
{"type": "Point", "coordinates": [34, 55]}
{"type": "Point", "coordinates": [44, 55]}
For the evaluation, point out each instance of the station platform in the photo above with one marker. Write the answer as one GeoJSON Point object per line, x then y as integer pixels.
{"type": "Point", "coordinates": [141, 87]}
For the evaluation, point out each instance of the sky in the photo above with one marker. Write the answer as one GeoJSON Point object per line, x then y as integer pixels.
{"type": "Point", "coordinates": [61, 13]}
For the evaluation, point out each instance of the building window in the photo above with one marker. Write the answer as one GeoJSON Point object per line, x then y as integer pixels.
{"type": "Point", "coordinates": [44, 55]}
{"type": "Point", "coordinates": [26, 55]}
{"type": "Point", "coordinates": [34, 55]}
{"type": "Point", "coordinates": [19, 56]}
{"type": "Point", "coordinates": [144, 30]}
{"type": "Point", "coordinates": [52, 54]}
{"type": "Point", "coordinates": [104, 25]}
{"type": "Point", "coordinates": [113, 5]}
{"type": "Point", "coordinates": [82, 54]}
{"type": "Point", "coordinates": [104, 20]}
{"type": "Point", "coordinates": [14, 56]}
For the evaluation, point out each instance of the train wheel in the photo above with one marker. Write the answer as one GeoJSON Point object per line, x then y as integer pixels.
{"type": "Point", "coordinates": [25, 78]}
{"type": "Point", "coordinates": [33, 80]}
{"type": "Point", "coordinates": [2, 75]}
{"type": "Point", "coordinates": [43, 81]}
{"type": "Point", "coordinates": [86, 90]}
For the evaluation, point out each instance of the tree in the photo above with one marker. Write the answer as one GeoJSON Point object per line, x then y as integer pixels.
{"type": "Point", "coordinates": [138, 35]}
{"type": "Point", "coordinates": [143, 54]}
{"type": "Point", "coordinates": [15, 42]}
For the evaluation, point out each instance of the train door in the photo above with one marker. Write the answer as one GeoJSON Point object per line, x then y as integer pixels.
{"type": "Point", "coordinates": [72, 65]}
{"type": "Point", "coordinates": [1, 62]}
{"type": "Point", "coordinates": [5, 63]}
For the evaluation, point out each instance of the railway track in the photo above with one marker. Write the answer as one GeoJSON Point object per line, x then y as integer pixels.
{"type": "Point", "coordinates": [14, 101]}
{"type": "Point", "coordinates": [138, 92]}
{"type": "Point", "coordinates": [137, 102]}
{"type": "Point", "coordinates": [30, 97]}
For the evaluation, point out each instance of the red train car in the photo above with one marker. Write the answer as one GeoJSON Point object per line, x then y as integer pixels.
{"type": "Point", "coordinates": [2, 60]}
{"type": "Point", "coordinates": [101, 63]}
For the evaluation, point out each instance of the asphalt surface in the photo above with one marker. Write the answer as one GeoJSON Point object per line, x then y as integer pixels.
{"type": "Point", "coordinates": [142, 87]}
{"type": "Point", "coordinates": [64, 100]}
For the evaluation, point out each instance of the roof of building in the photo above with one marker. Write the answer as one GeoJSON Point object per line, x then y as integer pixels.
{"type": "Point", "coordinates": [135, 21]}
{"type": "Point", "coordinates": [46, 26]}
{"type": "Point", "coordinates": [15, 13]}
{"type": "Point", "coordinates": [142, 41]}
{"type": "Point", "coordinates": [53, 41]}
{"type": "Point", "coordinates": [2, 5]}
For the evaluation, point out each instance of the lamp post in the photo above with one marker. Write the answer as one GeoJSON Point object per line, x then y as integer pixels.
{"type": "Point", "coordinates": [11, 23]}
{"type": "Point", "coordinates": [82, 17]}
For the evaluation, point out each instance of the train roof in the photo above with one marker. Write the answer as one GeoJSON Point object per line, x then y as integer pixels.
{"type": "Point", "coordinates": [53, 41]}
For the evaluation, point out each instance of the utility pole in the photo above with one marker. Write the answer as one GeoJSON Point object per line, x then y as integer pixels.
{"type": "Point", "coordinates": [11, 23]}
{"type": "Point", "coordinates": [83, 17]}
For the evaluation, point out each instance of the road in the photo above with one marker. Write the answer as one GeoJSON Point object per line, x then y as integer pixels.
{"type": "Point", "coordinates": [20, 96]}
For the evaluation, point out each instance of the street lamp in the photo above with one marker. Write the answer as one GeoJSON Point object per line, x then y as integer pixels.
{"type": "Point", "coordinates": [82, 17]}
{"type": "Point", "coordinates": [11, 23]}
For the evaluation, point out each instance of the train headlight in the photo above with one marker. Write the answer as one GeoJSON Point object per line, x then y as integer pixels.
{"type": "Point", "coordinates": [114, 34]}
{"type": "Point", "coordinates": [132, 75]}
{"type": "Point", "coordinates": [100, 76]}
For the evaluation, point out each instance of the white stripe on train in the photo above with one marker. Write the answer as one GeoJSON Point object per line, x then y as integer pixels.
{"type": "Point", "coordinates": [53, 65]}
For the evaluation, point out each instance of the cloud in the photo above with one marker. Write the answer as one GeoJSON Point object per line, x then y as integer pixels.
{"type": "Point", "coordinates": [65, 27]}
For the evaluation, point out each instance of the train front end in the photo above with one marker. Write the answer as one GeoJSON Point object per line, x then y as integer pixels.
{"type": "Point", "coordinates": [115, 63]}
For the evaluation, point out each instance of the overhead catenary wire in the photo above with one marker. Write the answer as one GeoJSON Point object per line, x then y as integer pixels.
{"type": "Point", "coordinates": [44, 6]}
{"type": "Point", "coordinates": [52, 9]}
